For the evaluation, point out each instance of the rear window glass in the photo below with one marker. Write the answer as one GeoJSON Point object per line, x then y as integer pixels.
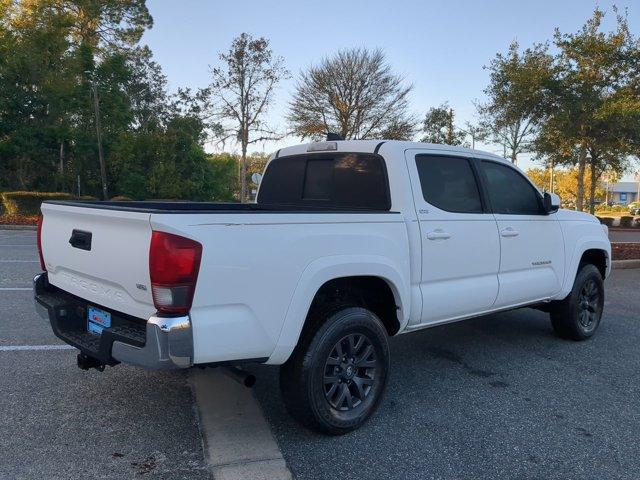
{"type": "Point", "coordinates": [318, 180]}
{"type": "Point", "coordinates": [351, 180]}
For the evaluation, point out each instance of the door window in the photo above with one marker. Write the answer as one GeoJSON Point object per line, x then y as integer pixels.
{"type": "Point", "coordinates": [509, 192]}
{"type": "Point", "coordinates": [449, 183]}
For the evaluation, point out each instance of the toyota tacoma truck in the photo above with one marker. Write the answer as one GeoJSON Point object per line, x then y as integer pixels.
{"type": "Point", "coordinates": [348, 243]}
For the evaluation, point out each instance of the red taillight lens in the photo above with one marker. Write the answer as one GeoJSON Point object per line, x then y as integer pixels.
{"type": "Point", "coordinates": [174, 263]}
{"type": "Point", "coordinates": [39, 236]}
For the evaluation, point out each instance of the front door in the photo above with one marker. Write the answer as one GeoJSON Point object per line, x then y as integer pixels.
{"type": "Point", "coordinates": [459, 237]}
{"type": "Point", "coordinates": [531, 241]}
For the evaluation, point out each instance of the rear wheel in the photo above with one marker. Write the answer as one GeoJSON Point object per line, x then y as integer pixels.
{"type": "Point", "coordinates": [336, 377]}
{"type": "Point", "coordinates": [577, 317]}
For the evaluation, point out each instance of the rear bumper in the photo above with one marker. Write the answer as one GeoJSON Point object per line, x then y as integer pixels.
{"type": "Point", "coordinates": [160, 343]}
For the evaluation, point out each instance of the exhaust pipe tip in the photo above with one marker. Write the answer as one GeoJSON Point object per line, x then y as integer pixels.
{"type": "Point", "coordinates": [240, 376]}
{"type": "Point", "coordinates": [249, 381]}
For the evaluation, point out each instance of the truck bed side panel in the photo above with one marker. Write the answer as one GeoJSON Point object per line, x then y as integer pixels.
{"type": "Point", "coordinates": [252, 264]}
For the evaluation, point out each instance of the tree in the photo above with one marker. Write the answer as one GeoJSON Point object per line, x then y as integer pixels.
{"type": "Point", "coordinates": [565, 183]}
{"type": "Point", "coordinates": [241, 93]}
{"type": "Point", "coordinates": [477, 132]}
{"type": "Point", "coordinates": [516, 94]}
{"type": "Point", "coordinates": [51, 53]}
{"type": "Point", "coordinates": [105, 24]}
{"type": "Point", "coordinates": [354, 94]}
{"type": "Point", "coordinates": [438, 127]}
{"type": "Point", "coordinates": [593, 117]}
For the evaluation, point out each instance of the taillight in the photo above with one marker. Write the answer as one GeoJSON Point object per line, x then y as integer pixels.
{"type": "Point", "coordinates": [174, 262]}
{"type": "Point", "coordinates": [39, 237]}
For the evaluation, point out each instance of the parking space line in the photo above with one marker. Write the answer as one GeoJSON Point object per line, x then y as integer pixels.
{"type": "Point", "coordinates": [15, 289]}
{"type": "Point", "coordinates": [237, 440]}
{"type": "Point", "coordinates": [19, 261]}
{"type": "Point", "coordinates": [19, 348]}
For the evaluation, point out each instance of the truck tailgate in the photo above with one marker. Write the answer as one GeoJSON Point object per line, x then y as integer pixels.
{"type": "Point", "coordinates": [110, 269]}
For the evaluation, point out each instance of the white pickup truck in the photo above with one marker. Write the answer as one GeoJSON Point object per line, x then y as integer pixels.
{"type": "Point", "coordinates": [349, 243]}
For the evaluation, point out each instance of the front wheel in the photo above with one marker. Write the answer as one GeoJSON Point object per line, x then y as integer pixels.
{"type": "Point", "coordinates": [336, 376]}
{"type": "Point", "coordinates": [577, 317]}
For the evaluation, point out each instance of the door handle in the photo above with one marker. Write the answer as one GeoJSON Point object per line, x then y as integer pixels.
{"type": "Point", "coordinates": [509, 232]}
{"type": "Point", "coordinates": [438, 235]}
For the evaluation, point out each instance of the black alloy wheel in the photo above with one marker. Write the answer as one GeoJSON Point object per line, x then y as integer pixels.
{"type": "Point", "coordinates": [350, 372]}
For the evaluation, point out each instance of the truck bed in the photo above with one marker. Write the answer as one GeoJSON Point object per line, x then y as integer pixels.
{"type": "Point", "coordinates": [252, 262]}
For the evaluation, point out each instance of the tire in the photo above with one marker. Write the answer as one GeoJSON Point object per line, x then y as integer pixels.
{"type": "Point", "coordinates": [336, 377]}
{"type": "Point", "coordinates": [578, 316]}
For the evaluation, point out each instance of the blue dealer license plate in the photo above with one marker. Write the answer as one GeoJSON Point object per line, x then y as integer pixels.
{"type": "Point", "coordinates": [97, 320]}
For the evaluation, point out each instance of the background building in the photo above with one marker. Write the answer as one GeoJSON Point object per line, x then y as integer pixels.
{"type": "Point", "coordinates": [623, 192]}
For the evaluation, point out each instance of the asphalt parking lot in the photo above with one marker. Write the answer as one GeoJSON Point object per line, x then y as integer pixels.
{"type": "Point", "coordinates": [495, 397]}
{"type": "Point", "coordinates": [59, 422]}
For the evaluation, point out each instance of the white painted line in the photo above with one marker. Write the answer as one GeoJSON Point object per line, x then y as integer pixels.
{"type": "Point", "coordinates": [15, 289]}
{"type": "Point", "coordinates": [237, 441]}
{"type": "Point", "coordinates": [19, 261]}
{"type": "Point", "coordinates": [19, 348]}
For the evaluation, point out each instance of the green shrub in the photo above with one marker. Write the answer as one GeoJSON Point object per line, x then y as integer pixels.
{"type": "Point", "coordinates": [28, 203]}
{"type": "Point", "coordinates": [608, 221]}
{"type": "Point", "coordinates": [626, 221]}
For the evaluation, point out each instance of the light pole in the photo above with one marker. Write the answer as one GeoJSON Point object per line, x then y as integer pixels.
{"type": "Point", "coordinates": [96, 111]}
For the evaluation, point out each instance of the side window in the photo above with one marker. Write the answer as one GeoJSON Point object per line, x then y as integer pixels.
{"type": "Point", "coordinates": [509, 192]}
{"type": "Point", "coordinates": [449, 183]}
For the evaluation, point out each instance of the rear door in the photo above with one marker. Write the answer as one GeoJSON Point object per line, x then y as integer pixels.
{"type": "Point", "coordinates": [532, 245]}
{"type": "Point", "coordinates": [459, 237]}
{"type": "Point", "coordinates": [99, 255]}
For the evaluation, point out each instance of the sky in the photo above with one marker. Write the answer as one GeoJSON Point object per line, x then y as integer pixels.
{"type": "Point", "coordinates": [440, 47]}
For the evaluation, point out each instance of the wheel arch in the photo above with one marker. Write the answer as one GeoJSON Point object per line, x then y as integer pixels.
{"type": "Point", "coordinates": [595, 251]}
{"type": "Point", "coordinates": [329, 273]}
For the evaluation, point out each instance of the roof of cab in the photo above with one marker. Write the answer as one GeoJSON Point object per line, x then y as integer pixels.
{"type": "Point", "coordinates": [369, 146]}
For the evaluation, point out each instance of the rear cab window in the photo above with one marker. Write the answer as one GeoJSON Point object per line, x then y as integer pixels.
{"type": "Point", "coordinates": [339, 180]}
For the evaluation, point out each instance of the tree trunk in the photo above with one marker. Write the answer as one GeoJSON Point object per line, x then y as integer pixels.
{"type": "Point", "coordinates": [243, 169]}
{"type": "Point", "coordinates": [103, 168]}
{"type": "Point", "coordinates": [61, 161]}
{"type": "Point", "coordinates": [551, 176]}
{"type": "Point", "coordinates": [582, 160]}
{"type": "Point", "coordinates": [20, 173]}
{"type": "Point", "coordinates": [592, 187]}
{"type": "Point", "coordinates": [450, 128]}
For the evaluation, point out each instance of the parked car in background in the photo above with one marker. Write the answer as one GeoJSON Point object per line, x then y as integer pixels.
{"type": "Point", "coordinates": [349, 243]}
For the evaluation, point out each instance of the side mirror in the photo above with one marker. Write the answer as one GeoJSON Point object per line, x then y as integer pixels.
{"type": "Point", "coordinates": [551, 202]}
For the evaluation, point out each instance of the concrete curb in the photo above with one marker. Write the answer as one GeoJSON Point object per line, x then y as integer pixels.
{"type": "Point", "coordinates": [623, 264]}
{"type": "Point", "coordinates": [237, 441]}
{"type": "Point", "coordinates": [18, 227]}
